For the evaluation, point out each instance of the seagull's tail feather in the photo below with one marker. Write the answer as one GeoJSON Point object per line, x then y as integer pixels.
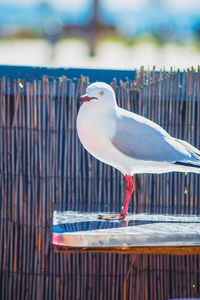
{"type": "Point", "coordinates": [187, 167]}
{"type": "Point", "coordinates": [191, 149]}
{"type": "Point", "coordinates": [187, 164]}
{"type": "Point", "coordinates": [193, 165]}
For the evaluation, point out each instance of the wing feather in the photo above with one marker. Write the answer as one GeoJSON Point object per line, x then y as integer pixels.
{"type": "Point", "coordinates": [140, 138]}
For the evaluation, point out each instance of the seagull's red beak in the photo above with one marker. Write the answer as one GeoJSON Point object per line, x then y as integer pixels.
{"type": "Point", "coordinates": [86, 98]}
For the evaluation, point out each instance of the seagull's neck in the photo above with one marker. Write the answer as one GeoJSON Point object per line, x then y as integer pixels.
{"type": "Point", "coordinates": [96, 109]}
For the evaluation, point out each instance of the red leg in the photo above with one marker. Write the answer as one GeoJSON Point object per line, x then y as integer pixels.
{"type": "Point", "coordinates": [129, 191]}
{"type": "Point", "coordinates": [123, 214]}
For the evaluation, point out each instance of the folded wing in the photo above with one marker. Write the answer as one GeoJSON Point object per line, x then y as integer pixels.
{"type": "Point", "coordinates": [142, 139]}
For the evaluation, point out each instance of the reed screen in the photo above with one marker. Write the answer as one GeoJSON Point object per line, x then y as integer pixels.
{"type": "Point", "coordinates": [44, 167]}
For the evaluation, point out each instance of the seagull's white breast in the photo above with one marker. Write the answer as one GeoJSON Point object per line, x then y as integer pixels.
{"type": "Point", "coordinates": [95, 130]}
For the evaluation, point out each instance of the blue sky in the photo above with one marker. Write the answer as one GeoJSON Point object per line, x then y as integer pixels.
{"type": "Point", "coordinates": [137, 15]}
{"type": "Point", "coordinates": [129, 4]}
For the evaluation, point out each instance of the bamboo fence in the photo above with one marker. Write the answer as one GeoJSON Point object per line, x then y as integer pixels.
{"type": "Point", "coordinates": [44, 167]}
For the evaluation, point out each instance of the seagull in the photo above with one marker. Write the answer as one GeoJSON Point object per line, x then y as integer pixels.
{"type": "Point", "coordinates": [129, 142]}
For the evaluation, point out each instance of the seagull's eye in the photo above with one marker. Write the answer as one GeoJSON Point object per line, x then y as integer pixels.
{"type": "Point", "coordinates": [101, 93]}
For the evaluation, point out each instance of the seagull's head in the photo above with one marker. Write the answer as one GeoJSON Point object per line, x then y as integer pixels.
{"type": "Point", "coordinates": [99, 94]}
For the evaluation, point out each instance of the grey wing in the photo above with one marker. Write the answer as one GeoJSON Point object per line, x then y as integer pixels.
{"type": "Point", "coordinates": [140, 138]}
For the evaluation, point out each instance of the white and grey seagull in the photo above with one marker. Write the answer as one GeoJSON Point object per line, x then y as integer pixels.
{"type": "Point", "coordinates": [129, 142]}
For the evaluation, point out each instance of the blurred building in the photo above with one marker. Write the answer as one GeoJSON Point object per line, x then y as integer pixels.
{"type": "Point", "coordinates": [176, 21]}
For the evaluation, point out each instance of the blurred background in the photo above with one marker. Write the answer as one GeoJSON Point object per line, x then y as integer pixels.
{"type": "Point", "coordinates": [117, 34]}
